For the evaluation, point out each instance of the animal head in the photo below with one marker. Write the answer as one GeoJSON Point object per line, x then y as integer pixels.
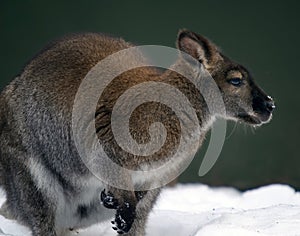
{"type": "Point", "coordinates": [244, 100]}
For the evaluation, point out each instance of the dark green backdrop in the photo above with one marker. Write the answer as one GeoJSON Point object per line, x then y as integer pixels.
{"type": "Point", "coordinates": [263, 35]}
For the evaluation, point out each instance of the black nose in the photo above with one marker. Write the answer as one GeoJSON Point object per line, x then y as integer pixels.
{"type": "Point", "coordinates": [270, 104]}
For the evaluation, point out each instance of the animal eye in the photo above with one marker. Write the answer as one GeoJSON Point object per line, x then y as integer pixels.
{"type": "Point", "coordinates": [235, 81]}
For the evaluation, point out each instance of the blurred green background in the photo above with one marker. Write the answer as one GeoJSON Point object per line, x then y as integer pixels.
{"type": "Point", "coordinates": [262, 35]}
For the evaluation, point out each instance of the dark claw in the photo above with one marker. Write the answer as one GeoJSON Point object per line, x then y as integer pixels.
{"type": "Point", "coordinates": [108, 200]}
{"type": "Point", "coordinates": [124, 218]}
{"type": "Point", "coordinates": [140, 195]}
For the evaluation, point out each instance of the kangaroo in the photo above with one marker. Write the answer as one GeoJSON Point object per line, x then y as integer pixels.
{"type": "Point", "coordinates": [48, 186]}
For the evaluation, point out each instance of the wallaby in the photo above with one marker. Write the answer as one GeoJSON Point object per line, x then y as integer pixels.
{"type": "Point", "coordinates": [48, 186]}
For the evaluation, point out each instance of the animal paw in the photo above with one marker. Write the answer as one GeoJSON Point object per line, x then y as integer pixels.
{"type": "Point", "coordinates": [124, 218]}
{"type": "Point", "coordinates": [108, 200]}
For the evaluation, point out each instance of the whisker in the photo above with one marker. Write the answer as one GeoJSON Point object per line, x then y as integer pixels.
{"type": "Point", "coordinates": [245, 128]}
{"type": "Point", "coordinates": [232, 131]}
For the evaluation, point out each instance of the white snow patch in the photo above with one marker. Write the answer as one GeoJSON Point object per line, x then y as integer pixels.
{"type": "Point", "coordinates": [199, 210]}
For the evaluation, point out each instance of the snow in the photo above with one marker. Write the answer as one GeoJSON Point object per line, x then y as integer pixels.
{"type": "Point", "coordinates": [199, 210]}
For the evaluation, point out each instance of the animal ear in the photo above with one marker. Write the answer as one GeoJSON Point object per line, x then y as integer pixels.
{"type": "Point", "coordinates": [198, 47]}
